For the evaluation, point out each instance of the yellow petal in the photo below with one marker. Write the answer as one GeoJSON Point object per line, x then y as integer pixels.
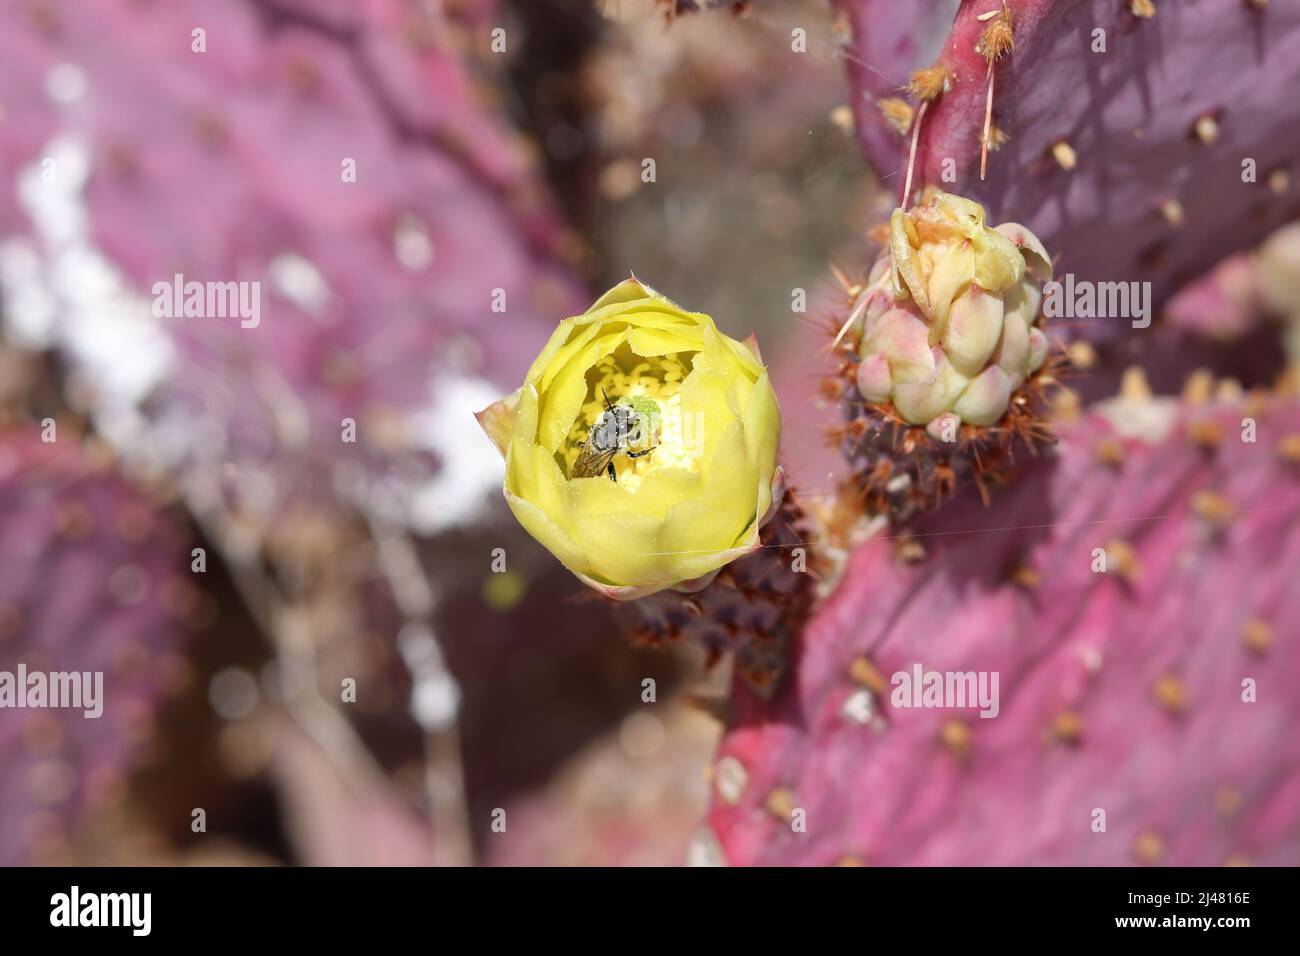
{"type": "Point", "coordinates": [953, 272]}
{"type": "Point", "coordinates": [999, 264]}
{"type": "Point", "coordinates": [907, 276]}
{"type": "Point", "coordinates": [1037, 261]}
{"type": "Point", "coordinates": [498, 420]}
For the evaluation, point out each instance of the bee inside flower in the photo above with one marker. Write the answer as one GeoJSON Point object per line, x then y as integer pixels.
{"type": "Point", "coordinates": [632, 422]}
{"type": "Point", "coordinates": [681, 417]}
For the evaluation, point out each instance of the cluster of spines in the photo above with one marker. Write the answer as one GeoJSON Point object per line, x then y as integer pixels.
{"type": "Point", "coordinates": [755, 607]}
{"type": "Point", "coordinates": [901, 470]}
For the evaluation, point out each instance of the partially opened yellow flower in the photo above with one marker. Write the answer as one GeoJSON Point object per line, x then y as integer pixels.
{"type": "Point", "coordinates": [641, 448]}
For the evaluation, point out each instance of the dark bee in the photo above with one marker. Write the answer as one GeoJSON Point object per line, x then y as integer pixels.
{"type": "Point", "coordinates": [619, 429]}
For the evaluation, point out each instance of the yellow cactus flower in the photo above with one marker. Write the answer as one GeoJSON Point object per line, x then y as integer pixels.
{"type": "Point", "coordinates": [687, 419]}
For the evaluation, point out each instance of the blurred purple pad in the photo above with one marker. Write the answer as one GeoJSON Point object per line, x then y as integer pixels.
{"type": "Point", "coordinates": [94, 579]}
{"type": "Point", "coordinates": [343, 819]}
{"type": "Point", "coordinates": [1092, 669]}
{"type": "Point", "coordinates": [1225, 304]}
{"type": "Point", "coordinates": [228, 165]}
{"type": "Point", "coordinates": [1128, 114]}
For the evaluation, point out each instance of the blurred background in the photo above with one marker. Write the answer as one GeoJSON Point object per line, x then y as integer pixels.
{"type": "Point", "coordinates": [308, 657]}
{"type": "Point", "coordinates": [197, 528]}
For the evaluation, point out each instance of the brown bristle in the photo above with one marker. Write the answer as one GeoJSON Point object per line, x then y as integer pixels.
{"type": "Point", "coordinates": [1146, 9]}
{"type": "Point", "coordinates": [1067, 727]}
{"type": "Point", "coordinates": [832, 388]}
{"type": "Point", "coordinates": [1205, 434]}
{"type": "Point", "coordinates": [900, 469]}
{"type": "Point", "coordinates": [908, 549]}
{"type": "Point", "coordinates": [1214, 509]}
{"type": "Point", "coordinates": [998, 38]}
{"type": "Point", "coordinates": [1227, 802]}
{"type": "Point", "coordinates": [1123, 559]}
{"type": "Point", "coordinates": [897, 113]}
{"type": "Point", "coordinates": [780, 803]}
{"type": "Point", "coordinates": [1110, 451]}
{"type": "Point", "coordinates": [930, 83]}
{"type": "Point", "coordinates": [863, 672]}
{"type": "Point", "coordinates": [1198, 387]}
{"type": "Point", "coordinates": [955, 735]}
{"type": "Point", "coordinates": [1170, 694]}
{"type": "Point", "coordinates": [1148, 846]}
{"type": "Point", "coordinates": [1257, 635]}
{"type": "Point", "coordinates": [1025, 576]}
{"type": "Point", "coordinates": [1256, 402]}
{"type": "Point", "coordinates": [1288, 449]}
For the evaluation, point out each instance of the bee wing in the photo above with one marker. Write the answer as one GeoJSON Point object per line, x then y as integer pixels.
{"type": "Point", "coordinates": [591, 462]}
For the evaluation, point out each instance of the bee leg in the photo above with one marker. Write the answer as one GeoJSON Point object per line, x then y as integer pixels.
{"type": "Point", "coordinates": [613, 475]}
{"type": "Point", "coordinates": [638, 454]}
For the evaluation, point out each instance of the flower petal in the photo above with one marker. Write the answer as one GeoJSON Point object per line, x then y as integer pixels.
{"type": "Point", "coordinates": [974, 327]}
{"type": "Point", "coordinates": [498, 420]}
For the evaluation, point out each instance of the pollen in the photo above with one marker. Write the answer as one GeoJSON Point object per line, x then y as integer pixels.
{"type": "Point", "coordinates": [651, 386]}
